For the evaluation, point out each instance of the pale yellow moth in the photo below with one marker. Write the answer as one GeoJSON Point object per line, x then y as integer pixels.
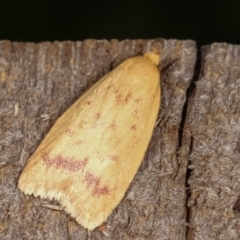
{"type": "Point", "coordinates": [91, 154]}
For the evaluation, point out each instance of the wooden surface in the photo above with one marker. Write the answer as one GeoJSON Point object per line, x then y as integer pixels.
{"type": "Point", "coordinates": [213, 120]}
{"type": "Point", "coordinates": [188, 184]}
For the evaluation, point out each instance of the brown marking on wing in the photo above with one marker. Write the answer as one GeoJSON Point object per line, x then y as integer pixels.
{"type": "Point", "coordinates": [69, 164]}
{"type": "Point", "coordinates": [101, 191]}
{"type": "Point", "coordinates": [92, 181]}
{"type": "Point", "coordinates": [133, 127]}
{"type": "Point", "coordinates": [69, 132]}
{"type": "Point", "coordinates": [113, 126]}
{"type": "Point", "coordinates": [128, 97]}
{"type": "Point", "coordinates": [89, 102]}
{"type": "Point", "coordinates": [136, 141]}
{"type": "Point", "coordinates": [97, 115]}
{"type": "Point", "coordinates": [113, 157]}
{"type": "Point", "coordinates": [135, 113]}
{"type": "Point", "coordinates": [80, 142]}
{"type": "Point", "coordinates": [137, 100]}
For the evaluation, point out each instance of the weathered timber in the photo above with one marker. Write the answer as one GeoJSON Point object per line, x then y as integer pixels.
{"type": "Point", "coordinates": [210, 146]}
{"type": "Point", "coordinates": [38, 82]}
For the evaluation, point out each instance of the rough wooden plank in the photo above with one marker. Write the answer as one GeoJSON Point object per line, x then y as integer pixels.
{"type": "Point", "coordinates": [38, 82]}
{"type": "Point", "coordinates": [213, 120]}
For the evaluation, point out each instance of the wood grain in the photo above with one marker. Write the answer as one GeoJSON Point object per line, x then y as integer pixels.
{"type": "Point", "coordinates": [38, 82]}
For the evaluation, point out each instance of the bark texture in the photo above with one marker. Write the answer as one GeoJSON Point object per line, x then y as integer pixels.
{"type": "Point", "coordinates": [38, 82]}
{"type": "Point", "coordinates": [213, 122]}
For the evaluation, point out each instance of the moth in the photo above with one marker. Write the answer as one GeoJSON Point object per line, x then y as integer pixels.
{"type": "Point", "coordinates": [91, 154]}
